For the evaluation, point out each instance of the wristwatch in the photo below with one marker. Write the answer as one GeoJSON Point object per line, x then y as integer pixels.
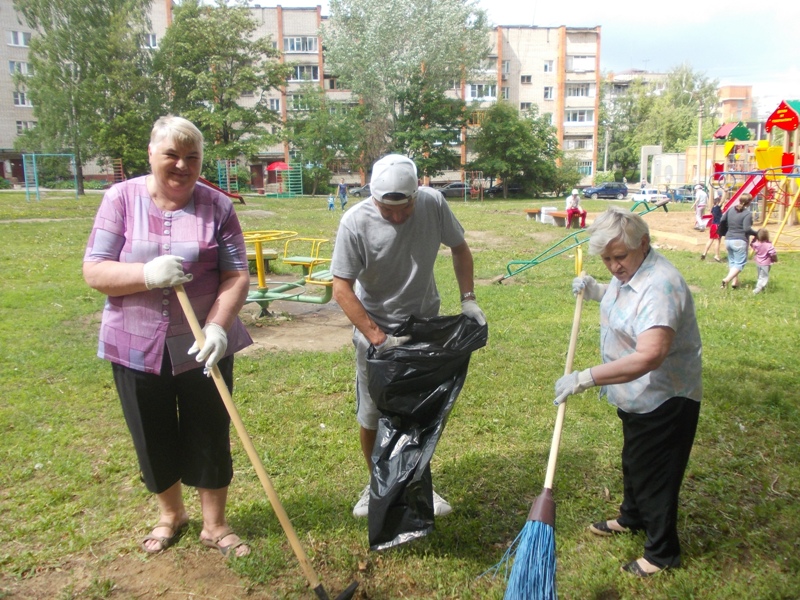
{"type": "Point", "coordinates": [467, 296]}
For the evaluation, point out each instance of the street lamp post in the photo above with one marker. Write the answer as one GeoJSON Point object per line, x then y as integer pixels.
{"type": "Point", "coordinates": [699, 138]}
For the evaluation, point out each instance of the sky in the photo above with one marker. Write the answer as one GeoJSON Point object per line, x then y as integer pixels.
{"type": "Point", "coordinates": [737, 42]}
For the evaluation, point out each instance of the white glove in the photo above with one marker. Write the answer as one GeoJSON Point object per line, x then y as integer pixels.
{"type": "Point", "coordinates": [165, 271]}
{"type": "Point", "coordinates": [213, 349]}
{"type": "Point", "coordinates": [472, 310]}
{"type": "Point", "coordinates": [574, 383]}
{"type": "Point", "coordinates": [591, 289]}
{"type": "Point", "coordinates": [391, 341]}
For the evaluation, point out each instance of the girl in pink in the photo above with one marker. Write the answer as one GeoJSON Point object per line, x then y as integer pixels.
{"type": "Point", "coordinates": [765, 255]}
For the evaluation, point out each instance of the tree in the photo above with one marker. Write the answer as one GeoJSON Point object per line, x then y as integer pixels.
{"type": "Point", "coordinates": [517, 147]}
{"type": "Point", "coordinates": [325, 133]}
{"type": "Point", "coordinates": [624, 117]}
{"type": "Point", "coordinates": [428, 125]}
{"type": "Point", "coordinates": [81, 50]}
{"type": "Point", "coordinates": [378, 48]}
{"type": "Point", "coordinates": [208, 60]}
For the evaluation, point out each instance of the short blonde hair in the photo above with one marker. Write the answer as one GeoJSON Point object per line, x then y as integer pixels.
{"type": "Point", "coordinates": [617, 223]}
{"type": "Point", "coordinates": [179, 130]}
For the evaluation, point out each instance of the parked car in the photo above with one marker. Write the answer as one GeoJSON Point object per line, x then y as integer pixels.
{"type": "Point", "coordinates": [497, 190]}
{"type": "Point", "coordinates": [684, 193]}
{"type": "Point", "coordinates": [649, 195]}
{"type": "Point", "coordinates": [609, 189]}
{"type": "Point", "coordinates": [457, 189]}
{"type": "Point", "coordinates": [359, 191]}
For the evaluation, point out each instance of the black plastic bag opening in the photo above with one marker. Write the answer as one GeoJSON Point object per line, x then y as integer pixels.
{"type": "Point", "coordinates": [415, 387]}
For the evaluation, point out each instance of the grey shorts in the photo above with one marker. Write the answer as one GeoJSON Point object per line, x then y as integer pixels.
{"type": "Point", "coordinates": [367, 414]}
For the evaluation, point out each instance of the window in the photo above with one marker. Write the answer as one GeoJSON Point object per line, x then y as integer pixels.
{"type": "Point", "coordinates": [23, 126]}
{"type": "Point", "coordinates": [526, 79]}
{"type": "Point", "coordinates": [300, 44]}
{"type": "Point", "coordinates": [585, 167]}
{"type": "Point", "coordinates": [580, 90]}
{"type": "Point", "coordinates": [305, 73]}
{"type": "Point", "coordinates": [578, 144]}
{"type": "Point", "coordinates": [506, 67]}
{"type": "Point", "coordinates": [14, 67]}
{"type": "Point", "coordinates": [579, 116]}
{"type": "Point", "coordinates": [548, 92]}
{"type": "Point", "coordinates": [150, 41]}
{"type": "Point", "coordinates": [548, 66]}
{"type": "Point", "coordinates": [19, 38]}
{"type": "Point", "coordinates": [275, 104]}
{"type": "Point", "coordinates": [506, 92]}
{"type": "Point", "coordinates": [524, 105]}
{"type": "Point", "coordinates": [296, 102]}
{"type": "Point", "coordinates": [20, 99]}
{"type": "Point", "coordinates": [483, 91]}
{"type": "Point", "coordinates": [580, 63]}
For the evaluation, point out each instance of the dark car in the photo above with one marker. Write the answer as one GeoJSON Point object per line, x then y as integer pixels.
{"type": "Point", "coordinates": [359, 191]}
{"type": "Point", "coordinates": [457, 189]}
{"type": "Point", "coordinates": [609, 189]}
{"type": "Point", "coordinates": [497, 190]}
{"type": "Point", "coordinates": [684, 193]}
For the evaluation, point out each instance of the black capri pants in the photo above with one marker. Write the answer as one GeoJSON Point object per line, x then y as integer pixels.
{"type": "Point", "coordinates": [179, 425]}
{"type": "Point", "coordinates": [655, 453]}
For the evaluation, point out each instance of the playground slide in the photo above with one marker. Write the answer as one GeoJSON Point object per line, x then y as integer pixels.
{"type": "Point", "coordinates": [753, 185]}
{"type": "Point", "coordinates": [206, 182]}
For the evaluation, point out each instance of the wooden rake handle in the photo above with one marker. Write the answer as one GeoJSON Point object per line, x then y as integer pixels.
{"type": "Point", "coordinates": [308, 570]}
{"type": "Point", "coordinates": [562, 408]}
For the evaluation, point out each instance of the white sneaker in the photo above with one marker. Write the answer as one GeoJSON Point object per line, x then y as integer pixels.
{"type": "Point", "coordinates": [441, 507]}
{"type": "Point", "coordinates": [361, 508]}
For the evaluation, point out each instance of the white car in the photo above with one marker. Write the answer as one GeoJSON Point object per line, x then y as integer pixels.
{"type": "Point", "coordinates": [649, 195]}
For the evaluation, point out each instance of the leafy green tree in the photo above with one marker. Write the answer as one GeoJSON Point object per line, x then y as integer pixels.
{"type": "Point", "coordinates": [428, 125]}
{"type": "Point", "coordinates": [80, 51]}
{"type": "Point", "coordinates": [377, 49]}
{"type": "Point", "coordinates": [623, 117]}
{"type": "Point", "coordinates": [208, 61]}
{"type": "Point", "coordinates": [517, 147]}
{"type": "Point", "coordinates": [325, 133]}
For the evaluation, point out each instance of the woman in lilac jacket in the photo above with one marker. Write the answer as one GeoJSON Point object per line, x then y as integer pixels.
{"type": "Point", "coordinates": [150, 234]}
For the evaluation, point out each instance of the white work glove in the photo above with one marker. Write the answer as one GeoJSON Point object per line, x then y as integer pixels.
{"type": "Point", "coordinates": [391, 341]}
{"type": "Point", "coordinates": [591, 289]}
{"type": "Point", "coordinates": [165, 271]}
{"type": "Point", "coordinates": [472, 310]}
{"type": "Point", "coordinates": [213, 349]}
{"type": "Point", "coordinates": [574, 383]}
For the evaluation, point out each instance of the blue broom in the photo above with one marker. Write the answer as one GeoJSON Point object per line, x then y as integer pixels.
{"type": "Point", "coordinates": [533, 576]}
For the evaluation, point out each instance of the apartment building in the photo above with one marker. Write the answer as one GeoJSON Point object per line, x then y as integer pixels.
{"type": "Point", "coordinates": [16, 110]}
{"type": "Point", "coordinates": [736, 103]}
{"type": "Point", "coordinates": [556, 69]}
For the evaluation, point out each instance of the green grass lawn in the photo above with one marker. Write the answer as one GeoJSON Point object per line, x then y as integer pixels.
{"type": "Point", "coordinates": [69, 485]}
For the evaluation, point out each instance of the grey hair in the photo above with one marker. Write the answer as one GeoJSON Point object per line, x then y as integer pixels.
{"type": "Point", "coordinates": [617, 223]}
{"type": "Point", "coordinates": [177, 129]}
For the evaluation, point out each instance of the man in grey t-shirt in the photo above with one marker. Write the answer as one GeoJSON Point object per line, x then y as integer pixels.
{"type": "Point", "coordinates": [383, 260]}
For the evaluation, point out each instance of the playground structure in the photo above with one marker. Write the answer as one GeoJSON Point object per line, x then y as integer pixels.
{"type": "Point", "coordinates": [315, 286]}
{"type": "Point", "coordinates": [285, 179]}
{"type": "Point", "coordinates": [34, 164]}
{"type": "Point", "coordinates": [568, 243]}
{"type": "Point", "coordinates": [769, 173]}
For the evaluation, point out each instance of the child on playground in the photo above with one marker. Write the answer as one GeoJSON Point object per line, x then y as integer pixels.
{"type": "Point", "coordinates": [765, 255]}
{"type": "Point", "coordinates": [716, 215]}
{"type": "Point", "coordinates": [331, 202]}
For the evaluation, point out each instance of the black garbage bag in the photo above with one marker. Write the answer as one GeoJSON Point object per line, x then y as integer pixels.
{"type": "Point", "coordinates": [415, 387]}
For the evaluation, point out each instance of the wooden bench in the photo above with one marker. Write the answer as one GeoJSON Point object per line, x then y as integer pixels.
{"type": "Point", "coordinates": [533, 213]}
{"type": "Point", "coordinates": [560, 219]}
{"type": "Point", "coordinates": [266, 254]}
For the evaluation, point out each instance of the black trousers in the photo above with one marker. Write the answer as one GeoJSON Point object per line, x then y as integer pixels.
{"type": "Point", "coordinates": [655, 452]}
{"type": "Point", "coordinates": [179, 425]}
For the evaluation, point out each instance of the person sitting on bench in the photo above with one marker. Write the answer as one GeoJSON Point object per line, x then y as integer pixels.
{"type": "Point", "coordinates": [574, 209]}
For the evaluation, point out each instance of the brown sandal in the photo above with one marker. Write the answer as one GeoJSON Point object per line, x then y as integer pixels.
{"type": "Point", "coordinates": [226, 551]}
{"type": "Point", "coordinates": [165, 541]}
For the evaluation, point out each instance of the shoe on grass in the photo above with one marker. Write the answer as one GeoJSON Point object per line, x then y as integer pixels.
{"type": "Point", "coordinates": [361, 508]}
{"type": "Point", "coordinates": [441, 507]}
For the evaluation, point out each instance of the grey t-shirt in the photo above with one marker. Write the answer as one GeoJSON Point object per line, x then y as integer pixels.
{"type": "Point", "coordinates": [393, 264]}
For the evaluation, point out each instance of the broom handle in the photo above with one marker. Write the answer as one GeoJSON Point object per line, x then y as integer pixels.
{"type": "Point", "coordinates": [562, 408]}
{"type": "Point", "coordinates": [227, 399]}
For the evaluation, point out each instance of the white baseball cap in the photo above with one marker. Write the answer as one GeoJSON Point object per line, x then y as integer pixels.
{"type": "Point", "coordinates": [574, 192]}
{"type": "Point", "coordinates": [394, 174]}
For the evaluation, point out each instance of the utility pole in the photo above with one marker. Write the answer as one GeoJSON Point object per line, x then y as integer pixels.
{"type": "Point", "coordinates": [699, 138]}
